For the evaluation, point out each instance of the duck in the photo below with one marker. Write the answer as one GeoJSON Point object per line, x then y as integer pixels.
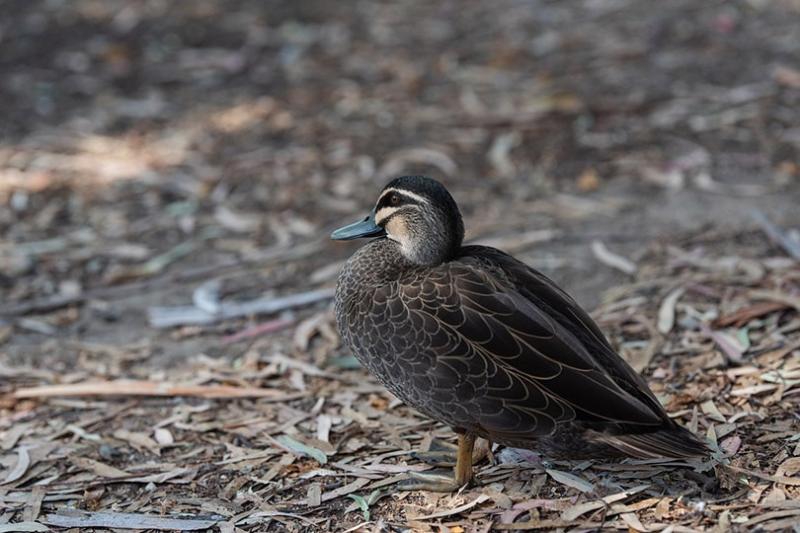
{"type": "Point", "coordinates": [481, 342]}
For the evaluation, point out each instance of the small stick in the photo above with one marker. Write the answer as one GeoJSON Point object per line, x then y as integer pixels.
{"type": "Point", "coordinates": [165, 317]}
{"type": "Point", "coordinates": [776, 235]}
{"type": "Point", "coordinates": [270, 326]}
{"type": "Point", "coordinates": [144, 388]}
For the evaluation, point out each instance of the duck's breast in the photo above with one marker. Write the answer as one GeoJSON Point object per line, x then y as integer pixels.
{"type": "Point", "coordinates": [381, 326]}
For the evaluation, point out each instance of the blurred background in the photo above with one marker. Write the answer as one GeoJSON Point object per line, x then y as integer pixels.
{"type": "Point", "coordinates": [132, 127]}
{"type": "Point", "coordinates": [170, 173]}
{"type": "Point", "coordinates": [146, 137]}
{"type": "Point", "coordinates": [146, 143]}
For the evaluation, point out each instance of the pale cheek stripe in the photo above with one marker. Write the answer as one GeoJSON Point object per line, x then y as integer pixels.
{"type": "Point", "coordinates": [397, 231]}
{"type": "Point", "coordinates": [384, 213]}
{"type": "Point", "coordinates": [409, 194]}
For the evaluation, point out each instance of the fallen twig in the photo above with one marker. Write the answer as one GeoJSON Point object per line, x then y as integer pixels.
{"type": "Point", "coordinates": [144, 388]}
{"type": "Point", "coordinates": [776, 235]}
{"type": "Point", "coordinates": [126, 521]}
{"type": "Point", "coordinates": [774, 296]}
{"type": "Point", "coordinates": [456, 510]}
{"type": "Point", "coordinates": [760, 475]}
{"type": "Point", "coordinates": [606, 256]}
{"type": "Point", "coordinates": [270, 326]}
{"type": "Point", "coordinates": [166, 317]}
{"type": "Point", "coordinates": [268, 257]}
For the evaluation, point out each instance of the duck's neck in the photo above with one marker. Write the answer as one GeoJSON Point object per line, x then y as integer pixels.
{"type": "Point", "coordinates": [380, 261]}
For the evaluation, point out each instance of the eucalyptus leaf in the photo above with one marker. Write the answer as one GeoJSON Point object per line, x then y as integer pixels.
{"type": "Point", "coordinates": [571, 480]}
{"type": "Point", "coordinates": [362, 504]}
{"type": "Point", "coordinates": [303, 449]}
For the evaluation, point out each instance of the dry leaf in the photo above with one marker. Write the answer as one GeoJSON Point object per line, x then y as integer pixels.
{"type": "Point", "coordinates": [611, 259]}
{"type": "Point", "coordinates": [578, 510]}
{"type": "Point", "coordinates": [163, 436]}
{"type": "Point", "coordinates": [789, 467]}
{"type": "Point", "coordinates": [101, 469]}
{"type": "Point", "coordinates": [21, 466]}
{"type": "Point", "coordinates": [140, 441]}
{"type": "Point", "coordinates": [82, 520]}
{"type": "Point", "coordinates": [456, 510]}
{"type": "Point", "coordinates": [571, 480]}
{"type": "Point", "coordinates": [710, 409]}
{"type": "Point", "coordinates": [303, 450]}
{"type": "Point", "coordinates": [731, 445]}
{"type": "Point", "coordinates": [666, 312]}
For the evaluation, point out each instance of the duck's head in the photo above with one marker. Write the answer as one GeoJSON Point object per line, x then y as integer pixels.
{"type": "Point", "coordinates": [418, 214]}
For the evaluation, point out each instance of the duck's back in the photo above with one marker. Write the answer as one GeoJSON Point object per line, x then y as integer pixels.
{"type": "Point", "coordinates": [490, 346]}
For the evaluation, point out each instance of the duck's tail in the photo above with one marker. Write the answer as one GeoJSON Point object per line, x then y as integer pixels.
{"type": "Point", "coordinates": [671, 443]}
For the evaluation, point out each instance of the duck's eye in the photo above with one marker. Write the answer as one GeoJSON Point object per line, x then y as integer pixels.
{"type": "Point", "coordinates": [394, 199]}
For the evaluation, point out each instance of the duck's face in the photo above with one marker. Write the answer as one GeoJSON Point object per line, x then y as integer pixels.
{"type": "Point", "coordinates": [418, 214]}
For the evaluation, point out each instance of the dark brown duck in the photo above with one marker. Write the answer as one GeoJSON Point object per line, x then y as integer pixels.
{"type": "Point", "coordinates": [477, 340]}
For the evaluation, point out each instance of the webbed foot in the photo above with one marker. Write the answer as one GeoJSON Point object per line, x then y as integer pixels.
{"type": "Point", "coordinates": [443, 454]}
{"type": "Point", "coordinates": [435, 481]}
{"type": "Point", "coordinates": [445, 482]}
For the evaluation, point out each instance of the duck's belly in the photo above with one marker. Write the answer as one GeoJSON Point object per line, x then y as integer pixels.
{"type": "Point", "coordinates": [406, 374]}
{"type": "Point", "coordinates": [393, 350]}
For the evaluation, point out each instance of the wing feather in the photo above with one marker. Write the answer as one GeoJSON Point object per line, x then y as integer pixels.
{"type": "Point", "coordinates": [516, 368]}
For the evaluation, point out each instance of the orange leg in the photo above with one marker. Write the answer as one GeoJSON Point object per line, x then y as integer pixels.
{"type": "Point", "coordinates": [462, 472]}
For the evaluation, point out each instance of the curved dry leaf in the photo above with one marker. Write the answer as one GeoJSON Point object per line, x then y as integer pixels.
{"type": "Point", "coordinates": [235, 221]}
{"type": "Point", "coordinates": [500, 153]}
{"type": "Point", "coordinates": [570, 480]}
{"type": "Point", "coordinates": [13, 435]}
{"type": "Point", "coordinates": [456, 510]}
{"type": "Point", "coordinates": [324, 425]}
{"type": "Point", "coordinates": [633, 522]}
{"type": "Point", "coordinates": [207, 296]}
{"type": "Point", "coordinates": [98, 468]}
{"type": "Point", "coordinates": [580, 509]}
{"type": "Point", "coordinates": [398, 160]}
{"type": "Point", "coordinates": [729, 345]}
{"type": "Point", "coordinates": [140, 441]}
{"type": "Point", "coordinates": [298, 447]}
{"type": "Point", "coordinates": [22, 465]}
{"type": "Point", "coordinates": [666, 313]}
{"type": "Point", "coordinates": [711, 411]}
{"type": "Point", "coordinates": [789, 467]}
{"type": "Point", "coordinates": [607, 257]}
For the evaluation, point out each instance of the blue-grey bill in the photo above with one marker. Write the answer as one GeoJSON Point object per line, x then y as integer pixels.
{"type": "Point", "coordinates": [358, 230]}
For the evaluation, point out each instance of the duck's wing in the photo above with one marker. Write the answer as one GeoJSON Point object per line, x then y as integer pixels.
{"type": "Point", "coordinates": [667, 439]}
{"type": "Point", "coordinates": [511, 362]}
{"type": "Point", "coordinates": [559, 306]}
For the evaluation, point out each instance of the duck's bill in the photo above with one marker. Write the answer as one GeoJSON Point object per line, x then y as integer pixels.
{"type": "Point", "coordinates": [357, 230]}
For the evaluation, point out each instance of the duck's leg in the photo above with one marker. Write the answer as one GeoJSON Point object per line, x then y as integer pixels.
{"type": "Point", "coordinates": [462, 473]}
{"type": "Point", "coordinates": [463, 469]}
{"type": "Point", "coordinates": [443, 453]}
